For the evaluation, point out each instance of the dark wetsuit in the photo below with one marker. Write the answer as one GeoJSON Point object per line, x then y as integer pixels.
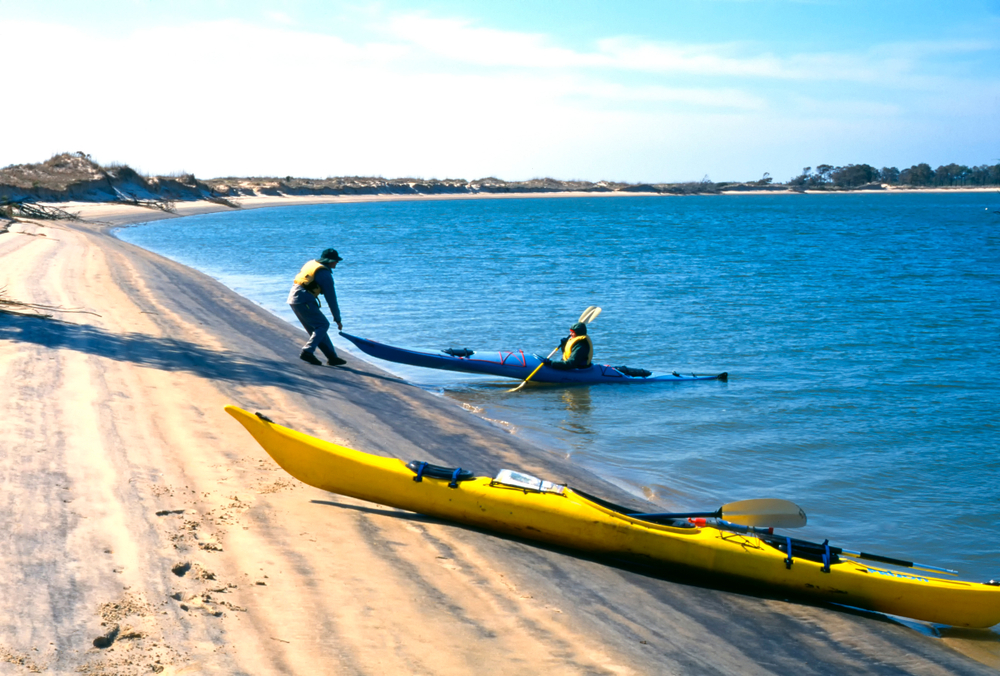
{"type": "Point", "coordinates": [579, 356]}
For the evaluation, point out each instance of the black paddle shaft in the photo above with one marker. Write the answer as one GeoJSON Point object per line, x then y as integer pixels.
{"type": "Point", "coordinates": [717, 514]}
{"type": "Point", "coordinates": [885, 559]}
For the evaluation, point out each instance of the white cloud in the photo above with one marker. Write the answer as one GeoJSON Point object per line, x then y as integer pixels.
{"type": "Point", "coordinates": [856, 109]}
{"type": "Point", "coordinates": [280, 18]}
{"type": "Point", "coordinates": [612, 92]}
{"type": "Point", "coordinates": [459, 41]}
{"type": "Point", "coordinates": [631, 54]}
{"type": "Point", "coordinates": [443, 97]}
{"type": "Point", "coordinates": [923, 48]}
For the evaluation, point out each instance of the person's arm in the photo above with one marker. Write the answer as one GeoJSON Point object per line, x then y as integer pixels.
{"type": "Point", "coordinates": [559, 364]}
{"type": "Point", "coordinates": [577, 359]}
{"type": "Point", "coordinates": [325, 280]}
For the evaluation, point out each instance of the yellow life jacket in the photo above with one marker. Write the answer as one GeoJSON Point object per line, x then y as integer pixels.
{"type": "Point", "coordinates": [573, 341]}
{"type": "Point", "coordinates": [307, 277]}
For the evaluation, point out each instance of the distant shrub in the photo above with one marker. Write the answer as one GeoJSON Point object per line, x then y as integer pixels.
{"type": "Point", "coordinates": [124, 172]}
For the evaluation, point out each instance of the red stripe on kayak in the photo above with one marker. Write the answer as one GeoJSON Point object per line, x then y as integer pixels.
{"type": "Point", "coordinates": [504, 356]}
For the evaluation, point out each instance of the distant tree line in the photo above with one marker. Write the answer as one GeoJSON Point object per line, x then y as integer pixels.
{"type": "Point", "coordinates": [919, 175]}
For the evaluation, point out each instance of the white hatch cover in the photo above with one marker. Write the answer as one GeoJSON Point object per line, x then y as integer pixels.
{"type": "Point", "coordinates": [509, 477]}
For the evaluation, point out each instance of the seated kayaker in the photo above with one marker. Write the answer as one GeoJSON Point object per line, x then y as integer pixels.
{"type": "Point", "coordinates": [577, 350]}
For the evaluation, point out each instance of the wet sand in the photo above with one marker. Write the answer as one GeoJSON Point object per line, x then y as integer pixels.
{"type": "Point", "coordinates": [138, 515]}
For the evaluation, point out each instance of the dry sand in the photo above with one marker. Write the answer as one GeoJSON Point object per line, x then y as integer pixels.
{"type": "Point", "coordinates": [144, 531]}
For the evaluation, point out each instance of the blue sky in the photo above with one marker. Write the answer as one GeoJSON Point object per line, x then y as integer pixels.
{"type": "Point", "coordinates": [626, 91]}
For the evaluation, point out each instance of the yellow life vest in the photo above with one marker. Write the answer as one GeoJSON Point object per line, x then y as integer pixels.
{"type": "Point", "coordinates": [573, 341]}
{"type": "Point", "coordinates": [307, 277]}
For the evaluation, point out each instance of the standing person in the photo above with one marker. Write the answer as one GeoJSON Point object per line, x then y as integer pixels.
{"type": "Point", "coordinates": [315, 278]}
{"type": "Point", "coordinates": [578, 350]}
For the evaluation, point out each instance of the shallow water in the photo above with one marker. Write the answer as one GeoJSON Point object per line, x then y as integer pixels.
{"type": "Point", "coordinates": [860, 331]}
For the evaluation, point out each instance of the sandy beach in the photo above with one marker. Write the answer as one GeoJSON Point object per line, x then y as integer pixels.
{"type": "Point", "coordinates": [144, 530]}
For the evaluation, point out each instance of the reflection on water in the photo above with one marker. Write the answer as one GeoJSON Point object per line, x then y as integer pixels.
{"type": "Point", "coordinates": [578, 404]}
{"type": "Point", "coordinates": [577, 399]}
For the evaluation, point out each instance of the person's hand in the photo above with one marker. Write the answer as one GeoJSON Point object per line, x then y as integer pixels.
{"type": "Point", "coordinates": [562, 343]}
{"type": "Point", "coordinates": [340, 327]}
{"type": "Point", "coordinates": [547, 362]}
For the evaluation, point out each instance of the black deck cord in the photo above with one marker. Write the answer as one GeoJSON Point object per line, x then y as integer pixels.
{"type": "Point", "coordinates": [427, 470]}
{"type": "Point", "coordinates": [803, 549]}
{"type": "Point", "coordinates": [451, 484]}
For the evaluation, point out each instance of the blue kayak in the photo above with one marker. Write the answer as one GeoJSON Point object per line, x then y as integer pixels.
{"type": "Point", "coordinates": [517, 364]}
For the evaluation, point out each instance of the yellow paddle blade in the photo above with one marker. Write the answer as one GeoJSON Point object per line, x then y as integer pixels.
{"type": "Point", "coordinates": [765, 512]}
{"type": "Point", "coordinates": [525, 381]}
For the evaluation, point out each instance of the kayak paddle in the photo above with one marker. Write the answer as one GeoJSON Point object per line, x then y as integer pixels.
{"type": "Point", "coordinates": [762, 513]}
{"type": "Point", "coordinates": [589, 315]}
{"type": "Point", "coordinates": [895, 562]}
{"type": "Point", "coordinates": [774, 513]}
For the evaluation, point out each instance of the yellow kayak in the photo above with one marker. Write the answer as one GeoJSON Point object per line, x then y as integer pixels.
{"type": "Point", "coordinates": [527, 507]}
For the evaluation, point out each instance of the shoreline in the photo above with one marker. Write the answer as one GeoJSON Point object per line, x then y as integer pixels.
{"type": "Point", "coordinates": [75, 176]}
{"type": "Point", "coordinates": [191, 207]}
{"type": "Point", "coordinates": [120, 467]}
{"type": "Point", "coordinates": [540, 440]}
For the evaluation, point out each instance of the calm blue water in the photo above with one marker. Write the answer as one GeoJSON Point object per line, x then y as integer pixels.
{"type": "Point", "coordinates": [861, 332]}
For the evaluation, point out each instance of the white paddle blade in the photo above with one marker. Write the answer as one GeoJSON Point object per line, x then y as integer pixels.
{"type": "Point", "coordinates": [590, 308]}
{"type": "Point", "coordinates": [590, 315]}
{"type": "Point", "coordinates": [765, 513]}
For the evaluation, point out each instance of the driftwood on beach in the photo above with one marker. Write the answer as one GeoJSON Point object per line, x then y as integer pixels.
{"type": "Point", "coordinates": [14, 209]}
{"type": "Point", "coordinates": [15, 307]}
{"type": "Point", "coordinates": [162, 205]}
{"type": "Point", "coordinates": [217, 199]}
